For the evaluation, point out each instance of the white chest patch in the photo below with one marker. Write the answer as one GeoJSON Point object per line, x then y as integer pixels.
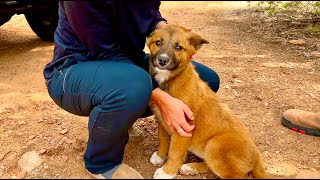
{"type": "Point", "coordinates": [162, 75]}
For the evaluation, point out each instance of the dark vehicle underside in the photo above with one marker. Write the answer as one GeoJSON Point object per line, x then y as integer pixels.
{"type": "Point", "coordinates": [42, 15]}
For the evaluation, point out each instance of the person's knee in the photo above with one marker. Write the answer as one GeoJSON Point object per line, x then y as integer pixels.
{"type": "Point", "coordinates": [139, 91]}
{"type": "Point", "coordinates": [214, 81]}
{"type": "Point", "coordinates": [132, 95]}
{"type": "Point", "coordinates": [208, 75]}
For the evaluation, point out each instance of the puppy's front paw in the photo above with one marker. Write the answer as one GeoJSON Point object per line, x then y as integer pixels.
{"type": "Point", "coordinates": [187, 170]}
{"type": "Point", "coordinates": [155, 159]}
{"type": "Point", "coordinates": [160, 174]}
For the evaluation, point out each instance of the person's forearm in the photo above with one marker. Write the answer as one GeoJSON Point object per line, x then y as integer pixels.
{"type": "Point", "coordinates": [157, 95]}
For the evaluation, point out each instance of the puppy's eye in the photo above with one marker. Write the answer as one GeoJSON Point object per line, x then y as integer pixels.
{"type": "Point", "coordinates": [158, 43]}
{"type": "Point", "coordinates": [178, 47]}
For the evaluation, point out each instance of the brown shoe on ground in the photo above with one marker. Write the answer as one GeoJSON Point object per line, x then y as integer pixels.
{"type": "Point", "coordinates": [135, 134]}
{"type": "Point", "coordinates": [123, 172]}
{"type": "Point", "coordinates": [302, 121]}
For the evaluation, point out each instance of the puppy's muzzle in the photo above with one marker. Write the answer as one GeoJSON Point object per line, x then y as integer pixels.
{"type": "Point", "coordinates": [163, 60]}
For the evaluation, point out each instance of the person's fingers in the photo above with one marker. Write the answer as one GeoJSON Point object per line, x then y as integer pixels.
{"type": "Point", "coordinates": [181, 131]}
{"type": "Point", "coordinates": [187, 111]}
{"type": "Point", "coordinates": [187, 127]}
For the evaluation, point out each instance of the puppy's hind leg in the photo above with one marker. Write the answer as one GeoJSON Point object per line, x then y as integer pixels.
{"type": "Point", "coordinates": [224, 161]}
{"type": "Point", "coordinates": [194, 168]}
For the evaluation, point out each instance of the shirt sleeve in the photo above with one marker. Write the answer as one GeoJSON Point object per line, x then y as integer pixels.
{"type": "Point", "coordinates": [157, 16]}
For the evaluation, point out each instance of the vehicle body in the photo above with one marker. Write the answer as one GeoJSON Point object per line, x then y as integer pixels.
{"type": "Point", "coordinates": [42, 15]}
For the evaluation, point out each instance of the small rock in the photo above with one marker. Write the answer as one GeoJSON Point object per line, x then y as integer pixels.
{"type": "Point", "coordinates": [312, 96]}
{"type": "Point", "coordinates": [40, 121]}
{"type": "Point", "coordinates": [21, 175]}
{"type": "Point", "coordinates": [258, 98]}
{"type": "Point", "coordinates": [234, 76]}
{"type": "Point", "coordinates": [65, 158]}
{"type": "Point", "coordinates": [235, 93]}
{"type": "Point", "coordinates": [20, 133]}
{"type": "Point", "coordinates": [237, 81]}
{"type": "Point", "coordinates": [22, 123]}
{"type": "Point", "coordinates": [315, 53]}
{"type": "Point", "coordinates": [29, 161]}
{"type": "Point", "coordinates": [313, 170]}
{"type": "Point", "coordinates": [64, 131]}
{"type": "Point", "coordinates": [51, 121]}
{"type": "Point", "coordinates": [57, 128]}
{"type": "Point", "coordinates": [261, 56]}
{"type": "Point", "coordinates": [64, 139]}
{"type": "Point", "coordinates": [31, 137]}
{"type": "Point", "coordinates": [297, 42]}
{"type": "Point", "coordinates": [77, 145]}
{"type": "Point", "coordinates": [70, 141]}
{"type": "Point", "coordinates": [42, 151]}
{"type": "Point", "coordinates": [266, 104]}
{"type": "Point", "coordinates": [80, 158]}
{"type": "Point", "coordinates": [61, 141]}
{"type": "Point", "coordinates": [277, 152]}
{"type": "Point", "coordinates": [312, 154]}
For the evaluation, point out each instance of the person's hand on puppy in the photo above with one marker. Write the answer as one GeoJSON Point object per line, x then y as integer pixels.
{"type": "Point", "coordinates": [173, 112]}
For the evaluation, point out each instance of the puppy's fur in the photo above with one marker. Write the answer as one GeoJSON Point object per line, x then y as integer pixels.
{"type": "Point", "coordinates": [219, 137]}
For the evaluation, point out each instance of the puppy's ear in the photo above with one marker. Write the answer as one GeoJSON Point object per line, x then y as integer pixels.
{"type": "Point", "coordinates": [197, 41]}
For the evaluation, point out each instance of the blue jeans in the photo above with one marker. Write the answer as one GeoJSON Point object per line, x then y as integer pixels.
{"type": "Point", "coordinates": [114, 94]}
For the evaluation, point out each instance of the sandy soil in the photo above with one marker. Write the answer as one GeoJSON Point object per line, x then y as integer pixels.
{"type": "Point", "coordinates": [262, 75]}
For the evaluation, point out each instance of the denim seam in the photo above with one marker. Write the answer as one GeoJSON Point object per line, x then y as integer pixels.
{"type": "Point", "coordinates": [91, 137]}
{"type": "Point", "coordinates": [64, 80]}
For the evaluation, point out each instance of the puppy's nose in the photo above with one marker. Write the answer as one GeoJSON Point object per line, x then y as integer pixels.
{"type": "Point", "coordinates": [163, 59]}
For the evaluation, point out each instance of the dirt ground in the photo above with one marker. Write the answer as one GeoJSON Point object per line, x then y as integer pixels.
{"type": "Point", "coordinates": [262, 75]}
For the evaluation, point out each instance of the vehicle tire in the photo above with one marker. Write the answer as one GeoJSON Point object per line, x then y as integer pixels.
{"type": "Point", "coordinates": [44, 23]}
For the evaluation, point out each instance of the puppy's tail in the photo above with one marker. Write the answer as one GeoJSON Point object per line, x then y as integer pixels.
{"type": "Point", "coordinates": [259, 172]}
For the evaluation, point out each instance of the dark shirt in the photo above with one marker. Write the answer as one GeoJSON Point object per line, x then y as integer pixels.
{"type": "Point", "coordinates": [102, 30]}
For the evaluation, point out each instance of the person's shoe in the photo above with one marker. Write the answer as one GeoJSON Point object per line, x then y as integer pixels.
{"type": "Point", "coordinates": [301, 121]}
{"type": "Point", "coordinates": [123, 172]}
{"type": "Point", "coordinates": [135, 134]}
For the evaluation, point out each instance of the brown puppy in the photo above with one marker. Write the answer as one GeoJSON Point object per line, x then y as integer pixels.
{"type": "Point", "coordinates": [219, 137]}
